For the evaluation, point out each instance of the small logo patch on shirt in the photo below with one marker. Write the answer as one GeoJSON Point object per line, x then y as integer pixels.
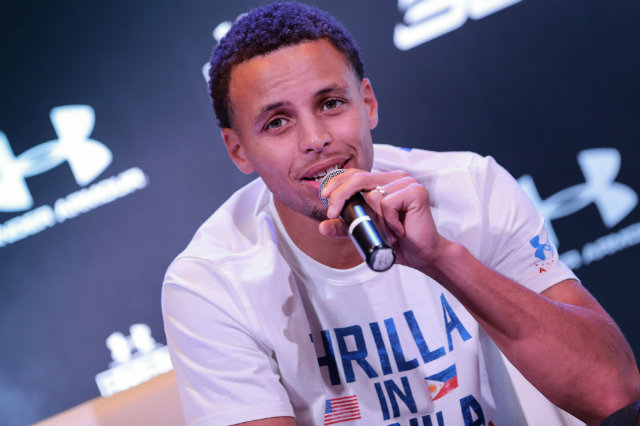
{"type": "Point", "coordinates": [342, 409]}
{"type": "Point", "coordinates": [540, 247]}
{"type": "Point", "coordinates": [442, 383]}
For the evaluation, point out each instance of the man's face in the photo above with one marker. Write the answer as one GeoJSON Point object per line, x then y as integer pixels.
{"type": "Point", "coordinates": [297, 112]}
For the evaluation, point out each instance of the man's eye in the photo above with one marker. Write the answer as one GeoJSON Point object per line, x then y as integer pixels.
{"type": "Point", "coordinates": [332, 104]}
{"type": "Point", "coordinates": [276, 123]}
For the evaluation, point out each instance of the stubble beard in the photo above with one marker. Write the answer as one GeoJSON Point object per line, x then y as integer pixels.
{"type": "Point", "coordinates": [318, 214]}
{"type": "Point", "coordinates": [314, 210]}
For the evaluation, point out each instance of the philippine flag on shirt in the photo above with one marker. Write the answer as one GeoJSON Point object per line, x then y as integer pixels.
{"type": "Point", "coordinates": [443, 382]}
{"type": "Point", "coordinates": [342, 409]}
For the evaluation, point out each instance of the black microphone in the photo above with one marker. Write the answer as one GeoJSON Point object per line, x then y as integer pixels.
{"type": "Point", "coordinates": [356, 215]}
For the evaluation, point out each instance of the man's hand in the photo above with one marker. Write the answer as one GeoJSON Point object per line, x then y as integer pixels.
{"type": "Point", "coordinates": [403, 214]}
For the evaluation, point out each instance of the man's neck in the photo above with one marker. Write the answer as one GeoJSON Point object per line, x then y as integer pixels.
{"type": "Point", "coordinates": [339, 253]}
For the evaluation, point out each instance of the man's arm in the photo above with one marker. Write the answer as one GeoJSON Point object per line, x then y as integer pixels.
{"type": "Point", "coordinates": [562, 340]}
{"type": "Point", "coordinates": [225, 375]}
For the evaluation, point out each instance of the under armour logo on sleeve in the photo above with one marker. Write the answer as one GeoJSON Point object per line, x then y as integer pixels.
{"type": "Point", "coordinates": [87, 158]}
{"type": "Point", "coordinates": [540, 247]}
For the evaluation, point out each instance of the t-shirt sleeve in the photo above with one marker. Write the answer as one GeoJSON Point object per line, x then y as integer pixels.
{"type": "Point", "coordinates": [225, 374]}
{"type": "Point", "coordinates": [517, 244]}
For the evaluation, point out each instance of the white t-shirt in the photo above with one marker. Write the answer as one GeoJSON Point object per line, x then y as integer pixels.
{"type": "Point", "coordinates": [258, 329]}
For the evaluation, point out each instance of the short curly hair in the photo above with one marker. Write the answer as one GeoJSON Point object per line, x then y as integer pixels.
{"type": "Point", "coordinates": [266, 29]}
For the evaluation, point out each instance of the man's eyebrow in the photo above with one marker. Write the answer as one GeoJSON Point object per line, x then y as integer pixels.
{"type": "Point", "coordinates": [266, 110]}
{"type": "Point", "coordinates": [334, 88]}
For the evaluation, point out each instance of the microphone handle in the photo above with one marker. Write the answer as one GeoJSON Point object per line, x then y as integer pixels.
{"type": "Point", "coordinates": [366, 236]}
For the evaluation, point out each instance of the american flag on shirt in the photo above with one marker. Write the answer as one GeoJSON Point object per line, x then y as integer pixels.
{"type": "Point", "coordinates": [342, 409]}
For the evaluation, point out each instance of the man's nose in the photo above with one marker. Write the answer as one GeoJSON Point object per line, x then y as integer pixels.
{"type": "Point", "coordinates": [315, 135]}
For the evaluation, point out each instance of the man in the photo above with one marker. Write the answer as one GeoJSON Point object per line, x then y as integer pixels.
{"type": "Point", "coordinates": [273, 319]}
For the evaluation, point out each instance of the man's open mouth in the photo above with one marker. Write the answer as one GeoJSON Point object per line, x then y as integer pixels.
{"type": "Point", "coordinates": [319, 176]}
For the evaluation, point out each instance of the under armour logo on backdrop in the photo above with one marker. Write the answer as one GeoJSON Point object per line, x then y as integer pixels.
{"type": "Point", "coordinates": [139, 341]}
{"type": "Point", "coordinates": [424, 20]}
{"type": "Point", "coordinates": [87, 158]}
{"type": "Point", "coordinates": [600, 168]}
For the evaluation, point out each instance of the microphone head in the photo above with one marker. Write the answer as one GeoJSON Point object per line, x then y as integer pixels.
{"type": "Point", "coordinates": [324, 182]}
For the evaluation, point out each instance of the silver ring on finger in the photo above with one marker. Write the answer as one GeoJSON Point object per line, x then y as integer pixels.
{"type": "Point", "coordinates": [381, 190]}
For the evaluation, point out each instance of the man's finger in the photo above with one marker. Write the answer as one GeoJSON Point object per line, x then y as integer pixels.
{"type": "Point", "coordinates": [333, 228]}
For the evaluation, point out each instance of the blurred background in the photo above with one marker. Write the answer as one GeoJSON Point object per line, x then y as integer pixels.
{"type": "Point", "coordinates": [110, 157]}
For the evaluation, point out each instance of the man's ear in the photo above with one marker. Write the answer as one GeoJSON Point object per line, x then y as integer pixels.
{"type": "Point", "coordinates": [236, 150]}
{"type": "Point", "coordinates": [370, 102]}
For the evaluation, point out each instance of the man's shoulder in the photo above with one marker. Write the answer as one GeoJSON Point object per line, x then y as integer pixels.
{"type": "Point", "coordinates": [424, 162]}
{"type": "Point", "coordinates": [232, 259]}
{"type": "Point", "coordinates": [234, 228]}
